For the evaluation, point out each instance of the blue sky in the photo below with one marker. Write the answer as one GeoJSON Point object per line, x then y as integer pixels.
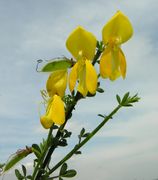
{"type": "Point", "coordinates": [127, 147]}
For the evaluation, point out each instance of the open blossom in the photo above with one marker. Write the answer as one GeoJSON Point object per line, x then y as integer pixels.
{"type": "Point", "coordinates": [56, 86]}
{"type": "Point", "coordinates": [55, 113]}
{"type": "Point", "coordinates": [82, 45]}
{"type": "Point", "coordinates": [116, 32]}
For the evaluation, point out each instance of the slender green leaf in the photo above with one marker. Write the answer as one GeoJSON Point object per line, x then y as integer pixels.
{"type": "Point", "coordinates": [101, 115]}
{"type": "Point", "coordinates": [85, 135]}
{"type": "Point", "coordinates": [18, 174]}
{"type": "Point", "coordinates": [118, 99]}
{"type": "Point", "coordinates": [125, 98]}
{"type": "Point", "coordinates": [24, 170]}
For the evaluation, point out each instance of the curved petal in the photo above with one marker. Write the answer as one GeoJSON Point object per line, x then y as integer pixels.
{"type": "Point", "coordinates": [46, 123]}
{"type": "Point", "coordinates": [73, 77]}
{"type": "Point", "coordinates": [82, 88]}
{"type": "Point", "coordinates": [57, 111]}
{"type": "Point", "coordinates": [56, 83]}
{"type": "Point", "coordinates": [118, 28]}
{"type": "Point", "coordinates": [91, 77]}
{"type": "Point", "coordinates": [81, 40]}
{"type": "Point", "coordinates": [115, 61]}
{"type": "Point", "coordinates": [105, 64]}
{"type": "Point", "coordinates": [122, 63]}
{"type": "Point", "coordinates": [109, 64]}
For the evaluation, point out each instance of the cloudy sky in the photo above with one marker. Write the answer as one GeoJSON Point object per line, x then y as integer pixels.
{"type": "Point", "coordinates": [127, 147]}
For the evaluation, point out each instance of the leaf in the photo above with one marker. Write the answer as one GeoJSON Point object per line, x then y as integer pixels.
{"type": "Point", "coordinates": [63, 142]}
{"type": "Point", "coordinates": [85, 135]}
{"type": "Point", "coordinates": [82, 132]}
{"type": "Point", "coordinates": [101, 115]}
{"type": "Point", "coordinates": [18, 156]}
{"type": "Point", "coordinates": [57, 64]}
{"type": "Point", "coordinates": [128, 105]}
{"type": "Point", "coordinates": [29, 177]}
{"type": "Point", "coordinates": [18, 174]}
{"type": "Point", "coordinates": [118, 99]}
{"type": "Point", "coordinates": [78, 152]}
{"type": "Point", "coordinates": [63, 169]}
{"type": "Point", "coordinates": [24, 170]}
{"type": "Point", "coordinates": [125, 98]}
{"type": "Point", "coordinates": [100, 90]}
{"type": "Point", "coordinates": [70, 173]}
{"type": "Point", "coordinates": [36, 149]}
{"type": "Point", "coordinates": [67, 134]}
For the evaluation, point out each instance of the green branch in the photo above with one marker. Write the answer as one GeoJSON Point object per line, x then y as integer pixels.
{"type": "Point", "coordinates": [77, 147]}
{"type": "Point", "coordinates": [126, 101]}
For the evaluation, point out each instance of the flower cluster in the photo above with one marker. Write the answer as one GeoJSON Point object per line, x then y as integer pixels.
{"type": "Point", "coordinates": [82, 45]}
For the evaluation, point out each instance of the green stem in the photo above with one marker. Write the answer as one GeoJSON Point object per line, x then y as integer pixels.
{"type": "Point", "coordinates": [77, 147]}
{"type": "Point", "coordinates": [96, 57]}
{"type": "Point", "coordinates": [43, 153]}
{"type": "Point", "coordinates": [57, 137]}
{"type": "Point", "coordinates": [52, 148]}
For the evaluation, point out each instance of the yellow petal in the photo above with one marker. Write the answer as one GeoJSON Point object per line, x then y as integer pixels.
{"type": "Point", "coordinates": [105, 64]}
{"type": "Point", "coordinates": [57, 111]}
{"type": "Point", "coordinates": [110, 63]}
{"type": "Point", "coordinates": [73, 77]}
{"type": "Point", "coordinates": [82, 81]}
{"type": "Point", "coordinates": [91, 77]}
{"type": "Point", "coordinates": [56, 83]}
{"type": "Point", "coordinates": [122, 63]}
{"type": "Point", "coordinates": [115, 72]}
{"type": "Point", "coordinates": [81, 40]}
{"type": "Point", "coordinates": [46, 123]}
{"type": "Point", "coordinates": [118, 29]}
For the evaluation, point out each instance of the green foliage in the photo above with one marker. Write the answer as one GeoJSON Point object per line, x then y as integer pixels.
{"type": "Point", "coordinates": [100, 46]}
{"type": "Point", "coordinates": [57, 64]}
{"type": "Point", "coordinates": [15, 158]}
{"type": "Point", "coordinates": [83, 134]}
{"type": "Point", "coordinates": [36, 149]}
{"type": "Point", "coordinates": [127, 100]}
{"type": "Point", "coordinates": [19, 175]}
{"type": "Point", "coordinates": [66, 173]}
{"type": "Point", "coordinates": [23, 175]}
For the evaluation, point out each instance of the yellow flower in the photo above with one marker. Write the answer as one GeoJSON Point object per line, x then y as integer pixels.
{"type": "Point", "coordinates": [55, 113]}
{"type": "Point", "coordinates": [56, 83]}
{"type": "Point", "coordinates": [56, 86]}
{"type": "Point", "coordinates": [82, 45]}
{"type": "Point", "coordinates": [117, 31]}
